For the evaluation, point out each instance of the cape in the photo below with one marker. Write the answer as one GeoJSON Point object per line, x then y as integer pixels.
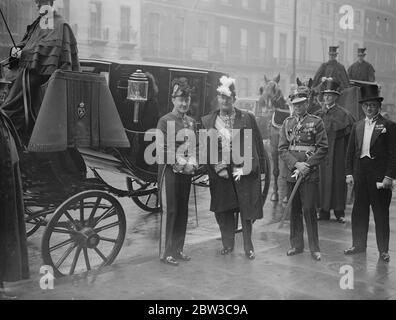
{"type": "Point", "coordinates": [45, 50]}
{"type": "Point", "coordinates": [362, 71]}
{"type": "Point", "coordinates": [332, 69]}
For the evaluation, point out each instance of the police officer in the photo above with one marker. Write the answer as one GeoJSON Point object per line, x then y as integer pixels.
{"type": "Point", "coordinates": [361, 70]}
{"type": "Point", "coordinates": [303, 145]}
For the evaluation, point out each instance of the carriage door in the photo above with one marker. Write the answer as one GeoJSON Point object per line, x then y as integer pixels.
{"type": "Point", "coordinates": [197, 81]}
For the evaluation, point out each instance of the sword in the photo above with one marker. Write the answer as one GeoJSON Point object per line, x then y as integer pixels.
{"type": "Point", "coordinates": [289, 202]}
{"type": "Point", "coordinates": [292, 195]}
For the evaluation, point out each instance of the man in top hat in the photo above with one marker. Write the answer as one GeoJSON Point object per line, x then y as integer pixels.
{"type": "Point", "coordinates": [361, 70]}
{"type": "Point", "coordinates": [234, 187]}
{"type": "Point", "coordinates": [43, 49]}
{"type": "Point", "coordinates": [177, 170]}
{"type": "Point", "coordinates": [303, 146]}
{"type": "Point", "coordinates": [332, 69]}
{"type": "Point", "coordinates": [371, 167]}
{"type": "Point", "coordinates": [338, 123]}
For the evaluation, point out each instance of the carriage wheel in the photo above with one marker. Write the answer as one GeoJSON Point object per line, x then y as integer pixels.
{"type": "Point", "coordinates": [149, 202]}
{"type": "Point", "coordinates": [34, 220]}
{"type": "Point", "coordinates": [86, 232]}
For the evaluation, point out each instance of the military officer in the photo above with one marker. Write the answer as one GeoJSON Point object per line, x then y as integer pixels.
{"type": "Point", "coordinates": [361, 70]}
{"type": "Point", "coordinates": [303, 146]}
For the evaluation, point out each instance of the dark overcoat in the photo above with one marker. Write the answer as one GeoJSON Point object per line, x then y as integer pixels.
{"type": "Point", "coordinates": [13, 248]}
{"type": "Point", "coordinates": [338, 124]}
{"type": "Point", "coordinates": [246, 194]}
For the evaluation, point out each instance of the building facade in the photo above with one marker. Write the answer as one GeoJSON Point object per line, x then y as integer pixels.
{"type": "Point", "coordinates": [234, 36]}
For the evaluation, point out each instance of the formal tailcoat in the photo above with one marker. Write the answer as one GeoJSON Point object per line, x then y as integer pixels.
{"type": "Point", "coordinates": [382, 149]}
{"type": "Point", "coordinates": [362, 71]}
{"type": "Point", "coordinates": [332, 69]}
{"type": "Point", "coordinates": [338, 123]}
{"type": "Point", "coordinates": [246, 194]}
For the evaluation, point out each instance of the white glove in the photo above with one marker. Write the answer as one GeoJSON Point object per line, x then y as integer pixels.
{"type": "Point", "coordinates": [16, 52]}
{"type": "Point", "coordinates": [237, 174]}
{"type": "Point", "coordinates": [295, 175]}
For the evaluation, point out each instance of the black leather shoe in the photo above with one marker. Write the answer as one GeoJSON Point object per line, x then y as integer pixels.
{"type": "Point", "coordinates": [170, 260]}
{"type": "Point", "coordinates": [250, 255]}
{"type": "Point", "coordinates": [353, 250]}
{"type": "Point", "coordinates": [341, 220]}
{"type": "Point", "coordinates": [226, 251]}
{"type": "Point", "coordinates": [183, 257]}
{"type": "Point", "coordinates": [316, 256]}
{"type": "Point", "coordinates": [384, 256]}
{"type": "Point", "coordinates": [294, 251]}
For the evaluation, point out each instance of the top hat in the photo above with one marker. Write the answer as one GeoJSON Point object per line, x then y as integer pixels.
{"type": "Point", "coordinates": [333, 50]}
{"type": "Point", "coordinates": [370, 92]}
{"type": "Point", "coordinates": [301, 94]}
{"type": "Point", "coordinates": [329, 85]}
{"type": "Point", "coordinates": [180, 88]}
{"type": "Point", "coordinates": [362, 51]}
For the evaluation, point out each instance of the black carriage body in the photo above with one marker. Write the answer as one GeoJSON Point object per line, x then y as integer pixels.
{"type": "Point", "coordinates": [204, 84]}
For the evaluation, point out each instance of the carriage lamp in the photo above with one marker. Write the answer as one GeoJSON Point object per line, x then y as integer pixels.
{"type": "Point", "coordinates": [137, 91]}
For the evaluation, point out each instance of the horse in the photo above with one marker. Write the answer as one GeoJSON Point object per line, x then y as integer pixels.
{"type": "Point", "coordinates": [272, 99]}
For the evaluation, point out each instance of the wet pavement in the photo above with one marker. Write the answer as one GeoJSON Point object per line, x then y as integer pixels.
{"type": "Point", "coordinates": [138, 274]}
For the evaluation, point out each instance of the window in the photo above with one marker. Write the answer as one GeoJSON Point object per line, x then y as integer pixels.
{"type": "Point", "coordinates": [202, 33]}
{"type": "Point", "coordinates": [303, 49]}
{"type": "Point", "coordinates": [342, 51]}
{"type": "Point", "coordinates": [263, 5]}
{"type": "Point", "coordinates": [179, 36]}
{"type": "Point", "coordinates": [243, 87]}
{"type": "Point", "coordinates": [125, 34]}
{"type": "Point", "coordinates": [96, 20]}
{"type": "Point", "coordinates": [224, 40]}
{"type": "Point", "coordinates": [262, 46]}
{"type": "Point", "coordinates": [244, 45]}
{"type": "Point", "coordinates": [153, 33]}
{"type": "Point", "coordinates": [283, 46]}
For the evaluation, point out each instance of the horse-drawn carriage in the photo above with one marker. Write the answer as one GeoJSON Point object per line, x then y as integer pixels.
{"type": "Point", "coordinates": [91, 120]}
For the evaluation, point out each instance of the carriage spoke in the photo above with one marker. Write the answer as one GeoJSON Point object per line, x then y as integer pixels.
{"type": "Point", "coordinates": [65, 255]}
{"type": "Point", "coordinates": [100, 254]}
{"type": "Point", "coordinates": [75, 259]}
{"type": "Point", "coordinates": [94, 209]}
{"type": "Point", "coordinates": [108, 239]}
{"type": "Point", "coordinates": [82, 210]}
{"type": "Point", "coordinates": [63, 231]}
{"type": "Point", "coordinates": [107, 214]}
{"type": "Point", "coordinates": [86, 257]}
{"type": "Point", "coordinates": [68, 216]}
{"type": "Point", "coordinates": [109, 226]}
{"type": "Point", "coordinates": [61, 245]}
{"type": "Point", "coordinates": [148, 199]}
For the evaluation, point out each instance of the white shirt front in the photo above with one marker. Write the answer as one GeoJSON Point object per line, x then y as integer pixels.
{"type": "Point", "coordinates": [368, 133]}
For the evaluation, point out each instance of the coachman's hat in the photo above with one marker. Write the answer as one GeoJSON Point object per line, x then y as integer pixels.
{"type": "Point", "coordinates": [362, 51]}
{"type": "Point", "coordinates": [370, 92]}
{"type": "Point", "coordinates": [333, 50]}
{"type": "Point", "coordinates": [329, 85]}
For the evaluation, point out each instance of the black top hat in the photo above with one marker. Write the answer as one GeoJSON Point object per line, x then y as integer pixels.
{"type": "Point", "coordinates": [329, 85]}
{"type": "Point", "coordinates": [370, 92]}
{"type": "Point", "coordinates": [362, 51]}
{"type": "Point", "coordinates": [333, 50]}
{"type": "Point", "coordinates": [180, 88]}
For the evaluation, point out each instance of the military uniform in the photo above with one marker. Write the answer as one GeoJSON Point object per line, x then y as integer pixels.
{"type": "Point", "coordinates": [298, 138]}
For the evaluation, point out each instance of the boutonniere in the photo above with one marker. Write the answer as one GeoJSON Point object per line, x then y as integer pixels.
{"type": "Point", "coordinates": [380, 127]}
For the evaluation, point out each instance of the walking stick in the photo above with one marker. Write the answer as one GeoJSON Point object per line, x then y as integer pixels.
{"type": "Point", "coordinates": [160, 184]}
{"type": "Point", "coordinates": [289, 203]}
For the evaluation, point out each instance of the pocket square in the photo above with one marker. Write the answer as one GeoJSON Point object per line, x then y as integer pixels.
{"type": "Point", "coordinates": [383, 131]}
